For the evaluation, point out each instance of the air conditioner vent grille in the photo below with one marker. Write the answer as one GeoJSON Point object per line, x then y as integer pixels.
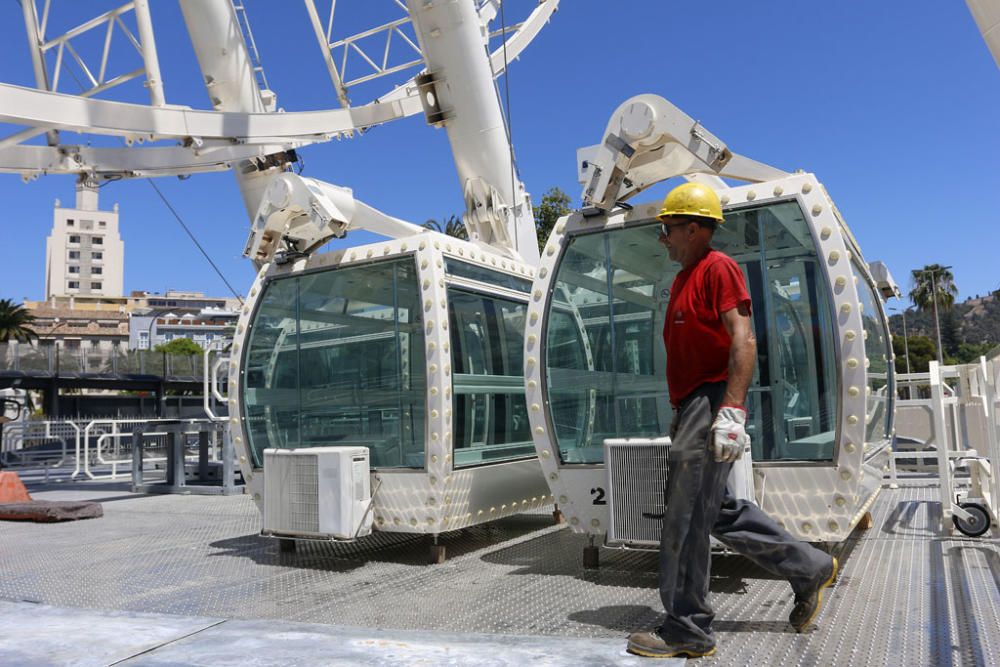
{"type": "Point", "coordinates": [637, 476]}
{"type": "Point", "coordinates": [303, 494]}
{"type": "Point", "coordinates": [291, 493]}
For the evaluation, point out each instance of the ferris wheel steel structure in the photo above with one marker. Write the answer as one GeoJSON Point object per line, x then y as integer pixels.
{"type": "Point", "coordinates": [243, 126]}
{"type": "Point", "coordinates": [45, 110]}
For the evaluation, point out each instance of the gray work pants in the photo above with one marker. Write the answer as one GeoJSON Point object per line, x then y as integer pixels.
{"type": "Point", "coordinates": [697, 503]}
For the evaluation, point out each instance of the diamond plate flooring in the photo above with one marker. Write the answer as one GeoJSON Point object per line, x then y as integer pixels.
{"type": "Point", "coordinates": [905, 594]}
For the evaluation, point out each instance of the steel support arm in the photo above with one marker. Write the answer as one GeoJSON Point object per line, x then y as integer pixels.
{"type": "Point", "coordinates": [987, 16]}
{"type": "Point", "coordinates": [649, 140]}
{"type": "Point", "coordinates": [298, 215]}
{"type": "Point", "coordinates": [459, 95]}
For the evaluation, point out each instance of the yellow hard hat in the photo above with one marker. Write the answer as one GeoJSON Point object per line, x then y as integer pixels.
{"type": "Point", "coordinates": [692, 199]}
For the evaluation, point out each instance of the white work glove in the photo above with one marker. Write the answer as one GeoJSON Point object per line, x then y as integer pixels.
{"type": "Point", "coordinates": [729, 434]}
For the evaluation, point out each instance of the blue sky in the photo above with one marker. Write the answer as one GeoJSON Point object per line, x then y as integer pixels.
{"type": "Point", "coordinates": [892, 104]}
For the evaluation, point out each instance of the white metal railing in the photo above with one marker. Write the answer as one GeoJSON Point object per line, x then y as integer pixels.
{"type": "Point", "coordinates": [83, 445]}
{"type": "Point", "coordinates": [23, 443]}
{"type": "Point", "coordinates": [211, 382]}
{"type": "Point", "coordinates": [962, 431]}
{"type": "Point", "coordinates": [258, 66]}
{"type": "Point", "coordinates": [113, 450]}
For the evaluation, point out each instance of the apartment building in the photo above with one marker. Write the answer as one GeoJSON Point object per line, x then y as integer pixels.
{"type": "Point", "coordinates": [80, 328]}
{"type": "Point", "coordinates": [142, 320]}
{"type": "Point", "coordinates": [151, 327]}
{"type": "Point", "coordinates": [84, 255]}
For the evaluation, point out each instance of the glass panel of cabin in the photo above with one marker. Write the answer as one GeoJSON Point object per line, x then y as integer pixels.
{"type": "Point", "coordinates": [573, 405]}
{"type": "Point", "coordinates": [879, 391]}
{"type": "Point", "coordinates": [271, 377]}
{"type": "Point", "coordinates": [611, 291]}
{"type": "Point", "coordinates": [347, 367]}
{"type": "Point", "coordinates": [639, 276]}
{"type": "Point", "coordinates": [580, 388]}
{"type": "Point", "coordinates": [793, 399]}
{"type": "Point", "coordinates": [490, 422]}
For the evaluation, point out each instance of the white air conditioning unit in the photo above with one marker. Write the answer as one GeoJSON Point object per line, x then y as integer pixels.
{"type": "Point", "coordinates": [317, 493]}
{"type": "Point", "coordinates": [637, 476]}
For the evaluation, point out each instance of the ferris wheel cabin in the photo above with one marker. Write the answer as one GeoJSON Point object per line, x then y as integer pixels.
{"type": "Point", "coordinates": [410, 352]}
{"type": "Point", "coordinates": [821, 402]}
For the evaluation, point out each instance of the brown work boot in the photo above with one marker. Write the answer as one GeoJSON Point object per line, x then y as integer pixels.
{"type": "Point", "coordinates": [652, 645]}
{"type": "Point", "coordinates": [808, 603]}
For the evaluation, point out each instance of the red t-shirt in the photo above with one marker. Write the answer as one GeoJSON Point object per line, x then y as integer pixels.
{"type": "Point", "coordinates": [695, 337]}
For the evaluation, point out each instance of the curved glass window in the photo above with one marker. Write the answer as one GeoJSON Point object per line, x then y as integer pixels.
{"type": "Point", "coordinates": [611, 289]}
{"type": "Point", "coordinates": [490, 422]}
{"type": "Point", "coordinates": [881, 380]}
{"type": "Point", "coordinates": [793, 402]}
{"type": "Point", "coordinates": [336, 358]}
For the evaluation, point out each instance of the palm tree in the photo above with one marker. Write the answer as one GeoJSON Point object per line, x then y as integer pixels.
{"type": "Point", "coordinates": [452, 227]}
{"type": "Point", "coordinates": [934, 288]}
{"type": "Point", "coordinates": [926, 280]}
{"type": "Point", "coordinates": [15, 322]}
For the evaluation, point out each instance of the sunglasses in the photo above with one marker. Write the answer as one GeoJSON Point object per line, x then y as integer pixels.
{"type": "Point", "coordinates": [665, 228]}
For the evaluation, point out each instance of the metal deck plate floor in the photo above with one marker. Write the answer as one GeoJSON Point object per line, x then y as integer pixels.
{"type": "Point", "coordinates": [905, 595]}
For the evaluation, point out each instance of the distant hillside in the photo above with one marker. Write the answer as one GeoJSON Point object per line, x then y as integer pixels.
{"type": "Point", "coordinates": [977, 320]}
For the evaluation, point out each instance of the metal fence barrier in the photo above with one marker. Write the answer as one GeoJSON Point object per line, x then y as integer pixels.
{"type": "Point", "coordinates": [47, 445]}
{"type": "Point", "coordinates": [211, 477]}
{"type": "Point", "coordinates": [58, 359]}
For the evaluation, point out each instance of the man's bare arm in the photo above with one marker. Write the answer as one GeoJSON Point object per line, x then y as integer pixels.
{"type": "Point", "coordinates": [742, 354]}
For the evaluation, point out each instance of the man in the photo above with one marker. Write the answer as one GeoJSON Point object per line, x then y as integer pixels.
{"type": "Point", "coordinates": [711, 351]}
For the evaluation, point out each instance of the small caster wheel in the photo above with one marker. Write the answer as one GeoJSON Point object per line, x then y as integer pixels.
{"type": "Point", "coordinates": [866, 521]}
{"type": "Point", "coordinates": [978, 522]}
{"type": "Point", "coordinates": [437, 554]}
{"type": "Point", "coordinates": [591, 557]}
{"type": "Point", "coordinates": [286, 546]}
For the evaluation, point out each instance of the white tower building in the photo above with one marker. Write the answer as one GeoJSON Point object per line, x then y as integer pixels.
{"type": "Point", "coordinates": [84, 255]}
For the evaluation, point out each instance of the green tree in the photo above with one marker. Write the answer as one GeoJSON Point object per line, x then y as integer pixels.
{"type": "Point", "coordinates": [922, 351]}
{"type": "Point", "coordinates": [179, 346]}
{"type": "Point", "coordinates": [452, 227]}
{"type": "Point", "coordinates": [951, 336]}
{"type": "Point", "coordinates": [968, 353]}
{"type": "Point", "coordinates": [15, 322]}
{"type": "Point", "coordinates": [555, 204]}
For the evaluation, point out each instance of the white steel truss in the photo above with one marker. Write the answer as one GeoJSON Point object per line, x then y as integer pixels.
{"type": "Point", "coordinates": [97, 76]}
{"type": "Point", "coordinates": [206, 138]}
{"type": "Point", "coordinates": [145, 45]}
{"type": "Point", "coordinates": [392, 47]}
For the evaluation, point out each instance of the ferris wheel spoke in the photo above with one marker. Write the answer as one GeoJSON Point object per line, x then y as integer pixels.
{"type": "Point", "coordinates": [45, 110]}
{"type": "Point", "coordinates": [127, 162]}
